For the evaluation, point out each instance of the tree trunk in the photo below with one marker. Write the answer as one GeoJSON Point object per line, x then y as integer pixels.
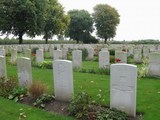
{"type": "Point", "coordinates": [77, 41]}
{"type": "Point", "coordinates": [46, 40]}
{"type": "Point", "coordinates": [105, 40]}
{"type": "Point", "coordinates": [20, 38]}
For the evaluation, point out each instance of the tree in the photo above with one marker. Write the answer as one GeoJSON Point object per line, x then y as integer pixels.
{"type": "Point", "coordinates": [81, 23]}
{"type": "Point", "coordinates": [56, 21]}
{"type": "Point", "coordinates": [19, 17]}
{"type": "Point", "coordinates": [106, 19]}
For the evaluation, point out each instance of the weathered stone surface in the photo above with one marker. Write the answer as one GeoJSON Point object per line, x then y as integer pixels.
{"type": "Point", "coordinates": [24, 71]}
{"type": "Point", "coordinates": [77, 58]}
{"type": "Point", "coordinates": [154, 64]}
{"type": "Point", "coordinates": [104, 59]}
{"type": "Point", "coordinates": [63, 80]}
{"type": "Point", "coordinates": [3, 72]}
{"type": "Point", "coordinates": [123, 87]}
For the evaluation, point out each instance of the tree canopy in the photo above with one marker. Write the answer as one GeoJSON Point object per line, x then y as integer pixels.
{"type": "Point", "coordinates": [106, 19]}
{"type": "Point", "coordinates": [56, 21]}
{"type": "Point", "coordinates": [81, 24]}
{"type": "Point", "coordinates": [21, 17]}
{"type": "Point", "coordinates": [32, 17]}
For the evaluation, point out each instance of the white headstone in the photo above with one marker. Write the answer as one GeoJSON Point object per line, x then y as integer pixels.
{"type": "Point", "coordinates": [138, 55]}
{"type": "Point", "coordinates": [104, 59]}
{"type": "Point", "coordinates": [24, 71]}
{"type": "Point", "coordinates": [57, 54]}
{"type": "Point", "coordinates": [145, 51]}
{"type": "Point", "coordinates": [104, 49]}
{"type": "Point", "coordinates": [63, 80]}
{"type": "Point", "coordinates": [13, 56]}
{"type": "Point", "coordinates": [154, 64]}
{"type": "Point", "coordinates": [64, 53]}
{"type": "Point", "coordinates": [3, 72]}
{"type": "Point", "coordinates": [90, 53]}
{"type": "Point", "coordinates": [2, 52]}
{"type": "Point", "coordinates": [39, 56]}
{"type": "Point", "coordinates": [123, 87]}
{"type": "Point", "coordinates": [51, 51]}
{"type": "Point", "coordinates": [77, 58]}
{"type": "Point", "coordinates": [122, 56]}
{"type": "Point", "coordinates": [27, 53]}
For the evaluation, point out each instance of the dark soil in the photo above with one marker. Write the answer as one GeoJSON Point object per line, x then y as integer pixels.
{"type": "Point", "coordinates": [61, 107]}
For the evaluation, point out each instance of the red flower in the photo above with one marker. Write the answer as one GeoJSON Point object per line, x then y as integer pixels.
{"type": "Point", "coordinates": [124, 50]}
{"type": "Point", "coordinates": [118, 60]}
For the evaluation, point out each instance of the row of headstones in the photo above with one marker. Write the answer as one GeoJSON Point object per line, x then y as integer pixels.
{"type": "Point", "coordinates": [104, 58]}
{"type": "Point", "coordinates": [123, 82]}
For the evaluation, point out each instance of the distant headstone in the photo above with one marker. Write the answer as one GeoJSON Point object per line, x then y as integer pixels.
{"type": "Point", "coordinates": [64, 53]}
{"type": "Point", "coordinates": [57, 54]}
{"type": "Point", "coordinates": [27, 53]}
{"type": "Point", "coordinates": [90, 53]}
{"type": "Point", "coordinates": [77, 58]}
{"type": "Point", "coordinates": [39, 56]}
{"type": "Point", "coordinates": [145, 51]}
{"type": "Point", "coordinates": [63, 80]}
{"type": "Point", "coordinates": [3, 72]}
{"type": "Point", "coordinates": [137, 55]}
{"type": "Point", "coordinates": [123, 88]}
{"type": "Point", "coordinates": [120, 57]}
{"type": "Point", "coordinates": [104, 59]}
{"type": "Point", "coordinates": [154, 64]}
{"type": "Point", "coordinates": [2, 52]}
{"type": "Point", "coordinates": [51, 51]}
{"type": "Point", "coordinates": [13, 55]}
{"type": "Point", "coordinates": [24, 71]}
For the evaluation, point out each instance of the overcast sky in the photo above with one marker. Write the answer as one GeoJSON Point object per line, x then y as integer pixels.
{"type": "Point", "coordinates": [139, 19]}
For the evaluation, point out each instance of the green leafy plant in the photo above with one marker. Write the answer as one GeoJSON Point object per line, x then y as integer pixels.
{"type": "Point", "coordinates": [143, 70]}
{"type": "Point", "coordinates": [111, 114]}
{"type": "Point", "coordinates": [40, 101]}
{"type": "Point", "coordinates": [37, 89]}
{"type": "Point", "coordinates": [7, 86]}
{"type": "Point", "coordinates": [34, 50]}
{"type": "Point", "coordinates": [18, 93]}
{"type": "Point", "coordinates": [112, 52]}
{"type": "Point", "coordinates": [79, 106]}
{"type": "Point", "coordinates": [84, 54]}
{"type": "Point", "coordinates": [46, 64]}
{"type": "Point", "coordinates": [112, 59]}
{"type": "Point", "coordinates": [104, 71]}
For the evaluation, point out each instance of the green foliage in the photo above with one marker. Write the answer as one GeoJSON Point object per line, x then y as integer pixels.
{"type": "Point", "coordinates": [112, 52]}
{"type": "Point", "coordinates": [143, 70]}
{"type": "Point", "coordinates": [79, 106]}
{"type": "Point", "coordinates": [82, 108]}
{"type": "Point", "coordinates": [111, 114]}
{"type": "Point", "coordinates": [40, 101]}
{"type": "Point", "coordinates": [55, 20]}
{"type": "Point", "coordinates": [18, 93]}
{"type": "Point", "coordinates": [112, 59]}
{"type": "Point", "coordinates": [81, 25]}
{"type": "Point", "coordinates": [104, 71]}
{"type": "Point", "coordinates": [84, 54]}
{"type": "Point", "coordinates": [22, 17]}
{"type": "Point", "coordinates": [34, 50]}
{"type": "Point", "coordinates": [7, 86]}
{"type": "Point", "coordinates": [106, 19]}
{"type": "Point", "coordinates": [46, 64]}
{"type": "Point", "coordinates": [7, 41]}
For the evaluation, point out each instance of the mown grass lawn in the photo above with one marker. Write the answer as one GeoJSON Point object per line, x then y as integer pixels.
{"type": "Point", "coordinates": [98, 86]}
